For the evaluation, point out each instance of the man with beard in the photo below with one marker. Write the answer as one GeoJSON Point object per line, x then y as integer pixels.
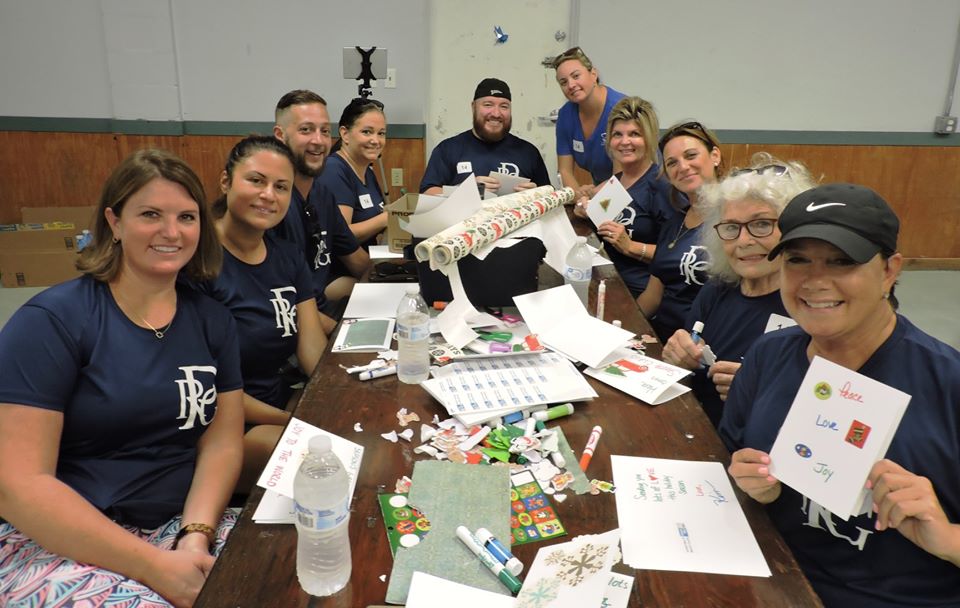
{"type": "Point", "coordinates": [302, 122]}
{"type": "Point", "coordinates": [488, 147]}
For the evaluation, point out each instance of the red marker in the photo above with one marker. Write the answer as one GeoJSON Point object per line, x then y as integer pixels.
{"type": "Point", "coordinates": [591, 446]}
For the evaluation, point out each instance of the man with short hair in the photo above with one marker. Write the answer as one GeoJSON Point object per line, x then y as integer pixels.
{"type": "Point", "coordinates": [487, 147]}
{"type": "Point", "coordinates": [302, 122]}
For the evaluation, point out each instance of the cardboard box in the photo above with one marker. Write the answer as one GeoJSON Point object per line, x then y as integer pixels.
{"type": "Point", "coordinates": [81, 217]}
{"type": "Point", "coordinates": [37, 268]}
{"type": "Point", "coordinates": [56, 236]}
{"type": "Point", "coordinates": [397, 237]}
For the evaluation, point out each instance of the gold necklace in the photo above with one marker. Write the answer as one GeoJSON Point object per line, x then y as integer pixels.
{"type": "Point", "coordinates": [683, 230]}
{"type": "Point", "coordinates": [158, 332]}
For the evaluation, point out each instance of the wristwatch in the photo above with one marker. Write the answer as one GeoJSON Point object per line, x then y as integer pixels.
{"type": "Point", "coordinates": [206, 530]}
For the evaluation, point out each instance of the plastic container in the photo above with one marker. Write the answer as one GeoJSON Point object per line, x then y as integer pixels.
{"type": "Point", "coordinates": [322, 502]}
{"type": "Point", "coordinates": [413, 337]}
{"type": "Point", "coordinates": [578, 269]}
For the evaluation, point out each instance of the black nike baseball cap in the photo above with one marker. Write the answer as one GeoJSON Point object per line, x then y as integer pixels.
{"type": "Point", "coordinates": [853, 218]}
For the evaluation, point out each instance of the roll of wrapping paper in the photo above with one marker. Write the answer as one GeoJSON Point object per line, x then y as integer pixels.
{"type": "Point", "coordinates": [495, 227]}
{"type": "Point", "coordinates": [490, 208]}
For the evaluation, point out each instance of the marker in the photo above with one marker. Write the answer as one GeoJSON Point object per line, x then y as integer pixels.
{"type": "Point", "coordinates": [601, 298]}
{"type": "Point", "coordinates": [499, 570]}
{"type": "Point", "coordinates": [513, 565]}
{"type": "Point", "coordinates": [591, 446]}
{"type": "Point", "coordinates": [557, 411]}
{"type": "Point", "coordinates": [378, 373]}
{"type": "Point", "coordinates": [499, 347]}
{"type": "Point", "coordinates": [531, 427]}
{"type": "Point", "coordinates": [697, 330]}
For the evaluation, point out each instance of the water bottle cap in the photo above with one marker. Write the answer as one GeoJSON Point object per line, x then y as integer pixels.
{"type": "Point", "coordinates": [413, 288]}
{"type": "Point", "coordinates": [320, 444]}
{"type": "Point", "coordinates": [581, 239]}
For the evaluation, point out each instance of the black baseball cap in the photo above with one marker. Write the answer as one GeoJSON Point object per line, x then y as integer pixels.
{"type": "Point", "coordinates": [492, 87]}
{"type": "Point", "coordinates": [855, 219]}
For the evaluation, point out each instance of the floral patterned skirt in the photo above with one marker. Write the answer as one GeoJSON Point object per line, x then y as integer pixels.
{"type": "Point", "coordinates": [31, 577]}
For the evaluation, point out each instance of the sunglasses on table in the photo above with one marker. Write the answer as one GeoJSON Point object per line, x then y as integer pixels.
{"type": "Point", "coordinates": [774, 169]}
{"type": "Point", "coordinates": [759, 228]}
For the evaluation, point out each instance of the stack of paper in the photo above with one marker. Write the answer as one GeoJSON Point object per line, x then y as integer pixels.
{"type": "Point", "coordinates": [276, 506]}
{"type": "Point", "coordinates": [576, 573]}
{"type": "Point", "coordinates": [682, 515]}
{"type": "Point", "coordinates": [561, 322]}
{"type": "Point", "coordinates": [478, 390]}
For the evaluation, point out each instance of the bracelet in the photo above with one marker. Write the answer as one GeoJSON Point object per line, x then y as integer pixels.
{"type": "Point", "coordinates": [204, 529]}
{"type": "Point", "coordinates": [643, 251]}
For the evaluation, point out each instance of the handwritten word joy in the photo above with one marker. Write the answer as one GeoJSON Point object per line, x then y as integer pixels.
{"type": "Point", "coordinates": [846, 393]}
{"type": "Point", "coordinates": [823, 469]}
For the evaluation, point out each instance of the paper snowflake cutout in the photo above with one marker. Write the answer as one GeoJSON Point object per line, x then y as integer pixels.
{"type": "Point", "coordinates": [539, 594]}
{"type": "Point", "coordinates": [573, 568]}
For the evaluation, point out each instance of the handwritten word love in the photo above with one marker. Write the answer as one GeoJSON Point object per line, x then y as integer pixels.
{"type": "Point", "coordinates": [827, 424]}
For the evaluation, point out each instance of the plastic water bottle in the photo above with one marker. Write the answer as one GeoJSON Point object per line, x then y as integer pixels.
{"type": "Point", "coordinates": [578, 269]}
{"type": "Point", "coordinates": [413, 337]}
{"type": "Point", "coordinates": [322, 503]}
{"type": "Point", "coordinates": [83, 239]}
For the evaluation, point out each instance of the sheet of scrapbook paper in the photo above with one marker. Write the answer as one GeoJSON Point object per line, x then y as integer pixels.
{"type": "Point", "coordinates": [452, 495]}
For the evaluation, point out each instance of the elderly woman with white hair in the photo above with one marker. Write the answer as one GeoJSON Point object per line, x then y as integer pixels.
{"type": "Point", "coordinates": [742, 300]}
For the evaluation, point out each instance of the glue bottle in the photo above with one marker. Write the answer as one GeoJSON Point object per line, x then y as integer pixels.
{"type": "Point", "coordinates": [321, 495]}
{"type": "Point", "coordinates": [578, 269]}
{"type": "Point", "coordinates": [413, 337]}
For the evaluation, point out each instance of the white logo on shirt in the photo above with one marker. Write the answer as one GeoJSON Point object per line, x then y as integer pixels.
{"type": "Point", "coordinates": [366, 201]}
{"type": "Point", "coordinates": [285, 312]}
{"type": "Point", "coordinates": [508, 169]}
{"type": "Point", "coordinates": [815, 207]}
{"type": "Point", "coordinates": [690, 265]}
{"type": "Point", "coordinates": [577, 146]}
{"type": "Point", "coordinates": [464, 166]}
{"type": "Point", "coordinates": [193, 398]}
{"type": "Point", "coordinates": [323, 256]}
{"type": "Point", "coordinates": [815, 514]}
{"type": "Point", "coordinates": [626, 217]}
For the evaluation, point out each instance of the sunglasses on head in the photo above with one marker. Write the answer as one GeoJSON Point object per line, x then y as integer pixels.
{"type": "Point", "coordinates": [693, 129]}
{"type": "Point", "coordinates": [574, 53]}
{"type": "Point", "coordinates": [775, 169]}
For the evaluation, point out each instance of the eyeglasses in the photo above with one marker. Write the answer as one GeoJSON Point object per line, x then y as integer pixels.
{"type": "Point", "coordinates": [759, 228]}
{"type": "Point", "coordinates": [775, 169]}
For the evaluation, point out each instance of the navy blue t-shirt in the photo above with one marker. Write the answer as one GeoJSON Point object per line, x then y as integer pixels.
{"type": "Point", "coordinates": [849, 563]}
{"type": "Point", "coordinates": [681, 264]}
{"type": "Point", "coordinates": [590, 154]}
{"type": "Point", "coordinates": [263, 298]}
{"type": "Point", "coordinates": [643, 218]}
{"type": "Point", "coordinates": [134, 406]}
{"type": "Point", "coordinates": [455, 158]}
{"type": "Point", "coordinates": [323, 234]}
{"type": "Point", "coordinates": [339, 182]}
{"type": "Point", "coordinates": [732, 322]}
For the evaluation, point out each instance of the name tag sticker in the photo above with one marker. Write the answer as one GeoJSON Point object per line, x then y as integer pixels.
{"type": "Point", "coordinates": [366, 201]}
{"type": "Point", "coordinates": [577, 146]}
{"type": "Point", "coordinates": [464, 166]}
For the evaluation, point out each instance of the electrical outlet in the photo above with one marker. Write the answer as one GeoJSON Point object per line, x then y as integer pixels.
{"type": "Point", "coordinates": [396, 177]}
{"type": "Point", "coordinates": [945, 125]}
{"type": "Point", "coordinates": [391, 81]}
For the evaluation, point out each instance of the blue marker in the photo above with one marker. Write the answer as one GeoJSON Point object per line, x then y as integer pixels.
{"type": "Point", "coordinates": [697, 330]}
{"type": "Point", "coordinates": [496, 548]}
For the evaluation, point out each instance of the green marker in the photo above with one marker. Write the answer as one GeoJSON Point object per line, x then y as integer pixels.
{"type": "Point", "coordinates": [557, 411]}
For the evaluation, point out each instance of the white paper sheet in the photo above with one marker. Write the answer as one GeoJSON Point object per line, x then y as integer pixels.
{"type": "Point", "coordinates": [618, 591]}
{"type": "Point", "coordinates": [431, 216]}
{"type": "Point", "coordinates": [645, 378]}
{"type": "Point", "coordinates": [508, 383]}
{"type": "Point", "coordinates": [457, 319]}
{"type": "Point", "coordinates": [608, 202]}
{"type": "Point", "coordinates": [382, 252]}
{"type": "Point", "coordinates": [561, 322]}
{"type": "Point", "coordinates": [508, 182]}
{"type": "Point", "coordinates": [839, 425]}
{"type": "Point", "coordinates": [428, 591]}
{"type": "Point", "coordinates": [574, 573]}
{"type": "Point", "coordinates": [372, 300]}
{"type": "Point", "coordinates": [682, 515]}
{"type": "Point", "coordinates": [282, 467]}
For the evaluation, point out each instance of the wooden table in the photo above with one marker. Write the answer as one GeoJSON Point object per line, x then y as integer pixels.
{"type": "Point", "coordinates": [258, 567]}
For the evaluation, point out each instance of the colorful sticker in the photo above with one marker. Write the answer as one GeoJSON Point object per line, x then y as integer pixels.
{"type": "Point", "coordinates": [857, 435]}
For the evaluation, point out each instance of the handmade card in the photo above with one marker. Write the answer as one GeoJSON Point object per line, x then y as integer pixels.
{"type": "Point", "coordinates": [682, 515]}
{"type": "Point", "coordinates": [508, 183]}
{"type": "Point", "coordinates": [645, 378]}
{"type": "Point", "coordinates": [608, 202]}
{"type": "Point", "coordinates": [364, 335]}
{"type": "Point", "coordinates": [839, 425]}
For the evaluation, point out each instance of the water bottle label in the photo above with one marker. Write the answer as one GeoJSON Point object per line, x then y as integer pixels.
{"type": "Point", "coordinates": [321, 519]}
{"type": "Point", "coordinates": [576, 274]}
{"type": "Point", "coordinates": [413, 332]}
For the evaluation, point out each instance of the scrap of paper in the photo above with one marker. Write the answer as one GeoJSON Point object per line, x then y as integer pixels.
{"type": "Point", "coordinates": [682, 515]}
{"type": "Point", "coordinates": [576, 573]}
{"type": "Point", "coordinates": [839, 425]}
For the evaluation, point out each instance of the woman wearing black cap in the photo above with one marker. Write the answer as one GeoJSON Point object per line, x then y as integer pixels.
{"type": "Point", "coordinates": [840, 265]}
